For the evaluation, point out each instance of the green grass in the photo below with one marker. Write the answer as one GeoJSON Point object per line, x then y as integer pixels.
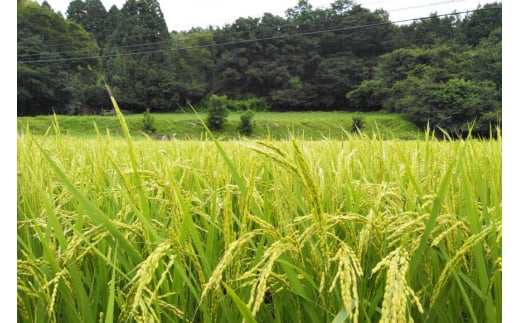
{"type": "Point", "coordinates": [276, 125]}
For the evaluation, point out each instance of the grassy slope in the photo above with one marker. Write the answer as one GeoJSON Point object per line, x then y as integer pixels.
{"type": "Point", "coordinates": [278, 125]}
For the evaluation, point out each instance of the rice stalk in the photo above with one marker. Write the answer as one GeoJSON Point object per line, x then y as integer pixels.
{"type": "Point", "coordinates": [397, 291]}
{"type": "Point", "coordinates": [50, 309]}
{"type": "Point", "coordinates": [349, 270]}
{"type": "Point", "coordinates": [80, 212]}
{"type": "Point", "coordinates": [145, 274]}
{"type": "Point", "coordinates": [226, 260]}
{"type": "Point", "coordinates": [497, 273]}
{"type": "Point", "coordinates": [268, 260]}
{"type": "Point", "coordinates": [455, 260]}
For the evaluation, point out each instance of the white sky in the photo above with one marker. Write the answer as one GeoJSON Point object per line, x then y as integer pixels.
{"type": "Point", "coordinates": [182, 15]}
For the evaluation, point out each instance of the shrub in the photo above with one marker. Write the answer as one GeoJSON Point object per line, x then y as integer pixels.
{"type": "Point", "coordinates": [455, 105]}
{"type": "Point", "coordinates": [255, 104]}
{"type": "Point", "coordinates": [368, 96]}
{"type": "Point", "coordinates": [246, 123]}
{"type": "Point", "coordinates": [148, 121]}
{"type": "Point", "coordinates": [217, 112]}
{"type": "Point", "coordinates": [357, 124]}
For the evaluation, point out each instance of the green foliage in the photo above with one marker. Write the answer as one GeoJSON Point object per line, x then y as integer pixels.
{"type": "Point", "coordinates": [463, 103]}
{"type": "Point", "coordinates": [455, 105]}
{"type": "Point", "coordinates": [258, 63]}
{"type": "Point", "coordinates": [46, 87]}
{"type": "Point", "coordinates": [148, 121]}
{"type": "Point", "coordinates": [357, 124]}
{"type": "Point", "coordinates": [95, 98]}
{"type": "Point", "coordinates": [246, 123]}
{"type": "Point", "coordinates": [254, 104]}
{"type": "Point", "coordinates": [91, 15]}
{"type": "Point", "coordinates": [368, 96]}
{"type": "Point", "coordinates": [300, 73]}
{"type": "Point", "coordinates": [217, 112]}
{"type": "Point", "coordinates": [147, 80]}
{"type": "Point", "coordinates": [453, 86]}
{"type": "Point", "coordinates": [431, 31]}
{"type": "Point", "coordinates": [194, 66]}
{"type": "Point", "coordinates": [275, 125]}
{"type": "Point", "coordinates": [481, 24]}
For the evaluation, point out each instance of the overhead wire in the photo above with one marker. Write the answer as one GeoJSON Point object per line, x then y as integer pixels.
{"type": "Point", "coordinates": [90, 49]}
{"type": "Point", "coordinates": [245, 41]}
{"type": "Point", "coordinates": [137, 35]}
{"type": "Point", "coordinates": [323, 6]}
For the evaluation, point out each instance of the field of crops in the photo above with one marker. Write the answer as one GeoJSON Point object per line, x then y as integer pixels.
{"type": "Point", "coordinates": [361, 230]}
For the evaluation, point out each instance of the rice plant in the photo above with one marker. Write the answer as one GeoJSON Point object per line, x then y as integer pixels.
{"type": "Point", "coordinates": [362, 230]}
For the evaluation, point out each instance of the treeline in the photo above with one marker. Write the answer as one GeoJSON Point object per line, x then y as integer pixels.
{"type": "Point", "coordinates": [445, 70]}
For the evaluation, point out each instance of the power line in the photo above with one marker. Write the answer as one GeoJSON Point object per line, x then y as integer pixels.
{"type": "Point", "coordinates": [325, 6]}
{"type": "Point", "coordinates": [424, 6]}
{"type": "Point", "coordinates": [93, 49]}
{"type": "Point", "coordinates": [57, 43]}
{"type": "Point", "coordinates": [246, 41]}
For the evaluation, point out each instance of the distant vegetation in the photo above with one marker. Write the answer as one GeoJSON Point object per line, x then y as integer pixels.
{"type": "Point", "coordinates": [445, 70]}
{"type": "Point", "coordinates": [276, 125]}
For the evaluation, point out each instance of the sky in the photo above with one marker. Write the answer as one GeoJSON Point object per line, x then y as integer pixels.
{"type": "Point", "coordinates": [183, 15]}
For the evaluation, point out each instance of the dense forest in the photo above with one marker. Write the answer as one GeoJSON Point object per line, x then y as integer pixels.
{"type": "Point", "coordinates": [445, 70]}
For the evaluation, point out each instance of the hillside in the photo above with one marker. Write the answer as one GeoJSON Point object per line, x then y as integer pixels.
{"type": "Point", "coordinates": [276, 125]}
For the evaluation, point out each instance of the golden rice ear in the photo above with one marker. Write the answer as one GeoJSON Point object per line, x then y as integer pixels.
{"type": "Point", "coordinates": [397, 291]}
{"type": "Point", "coordinates": [349, 270]}
{"type": "Point", "coordinates": [225, 234]}
{"type": "Point", "coordinates": [455, 261]}
{"type": "Point", "coordinates": [226, 260]}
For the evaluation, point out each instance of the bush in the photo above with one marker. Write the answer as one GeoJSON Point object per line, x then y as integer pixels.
{"type": "Point", "coordinates": [255, 104]}
{"type": "Point", "coordinates": [148, 121]}
{"type": "Point", "coordinates": [246, 123]}
{"type": "Point", "coordinates": [357, 124]}
{"type": "Point", "coordinates": [455, 105]}
{"type": "Point", "coordinates": [217, 112]}
{"type": "Point", "coordinates": [368, 96]}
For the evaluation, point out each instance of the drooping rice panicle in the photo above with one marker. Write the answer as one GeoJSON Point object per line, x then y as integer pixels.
{"type": "Point", "coordinates": [273, 231]}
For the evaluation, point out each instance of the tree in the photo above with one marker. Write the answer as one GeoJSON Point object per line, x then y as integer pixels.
{"type": "Point", "coordinates": [304, 72]}
{"type": "Point", "coordinates": [368, 96]}
{"type": "Point", "coordinates": [246, 122]}
{"type": "Point", "coordinates": [148, 121]}
{"type": "Point", "coordinates": [300, 13]}
{"type": "Point", "coordinates": [452, 86]}
{"type": "Point", "coordinates": [140, 66]}
{"type": "Point", "coordinates": [217, 112]}
{"type": "Point", "coordinates": [431, 31]}
{"type": "Point", "coordinates": [50, 78]}
{"type": "Point", "coordinates": [195, 63]}
{"type": "Point", "coordinates": [310, 59]}
{"type": "Point", "coordinates": [91, 14]}
{"type": "Point", "coordinates": [340, 7]}
{"type": "Point", "coordinates": [428, 86]}
{"type": "Point", "coordinates": [481, 23]}
{"type": "Point", "coordinates": [459, 103]}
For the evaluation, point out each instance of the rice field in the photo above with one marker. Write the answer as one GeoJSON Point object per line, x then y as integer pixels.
{"type": "Point", "coordinates": [360, 230]}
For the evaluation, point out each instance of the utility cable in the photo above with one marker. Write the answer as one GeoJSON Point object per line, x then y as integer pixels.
{"type": "Point", "coordinates": [56, 44]}
{"type": "Point", "coordinates": [246, 41]}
